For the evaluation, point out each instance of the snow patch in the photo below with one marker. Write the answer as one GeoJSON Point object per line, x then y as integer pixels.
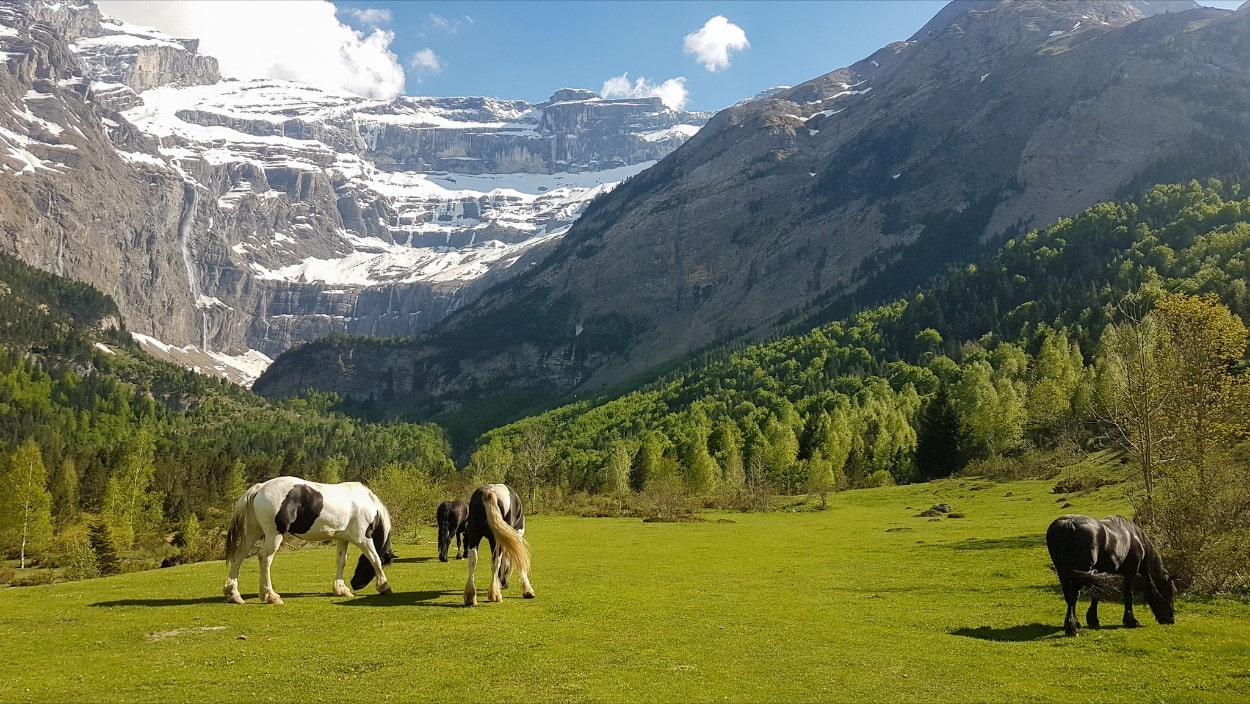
{"type": "Point", "coordinates": [242, 369]}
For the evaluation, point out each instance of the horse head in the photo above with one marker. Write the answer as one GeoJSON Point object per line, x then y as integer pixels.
{"type": "Point", "coordinates": [1161, 597]}
{"type": "Point", "coordinates": [1160, 587]}
{"type": "Point", "coordinates": [380, 532]}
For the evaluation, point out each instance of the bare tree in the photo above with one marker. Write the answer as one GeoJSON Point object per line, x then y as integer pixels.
{"type": "Point", "coordinates": [533, 455]}
{"type": "Point", "coordinates": [1132, 393]}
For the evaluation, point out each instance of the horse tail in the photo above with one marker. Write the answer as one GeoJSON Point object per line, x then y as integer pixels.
{"type": "Point", "coordinates": [1100, 584]}
{"type": "Point", "coordinates": [510, 542]}
{"type": "Point", "coordinates": [238, 524]}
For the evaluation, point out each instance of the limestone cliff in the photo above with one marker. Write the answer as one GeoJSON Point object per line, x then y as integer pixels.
{"type": "Point", "coordinates": [847, 189]}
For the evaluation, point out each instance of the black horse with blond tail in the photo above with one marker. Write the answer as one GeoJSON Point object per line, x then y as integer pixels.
{"type": "Point", "coordinates": [495, 514]}
{"type": "Point", "coordinates": [1104, 557]}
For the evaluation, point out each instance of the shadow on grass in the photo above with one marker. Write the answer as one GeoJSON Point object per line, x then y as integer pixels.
{"type": "Point", "coordinates": [416, 598]}
{"type": "Point", "coordinates": [404, 560]}
{"type": "Point", "coordinates": [1011, 634]}
{"type": "Point", "coordinates": [1014, 543]}
{"type": "Point", "coordinates": [251, 598]}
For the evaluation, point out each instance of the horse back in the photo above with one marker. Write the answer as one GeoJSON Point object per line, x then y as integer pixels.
{"type": "Point", "coordinates": [322, 511]}
{"type": "Point", "coordinates": [509, 506]}
{"type": "Point", "coordinates": [1084, 543]}
{"type": "Point", "coordinates": [454, 513]}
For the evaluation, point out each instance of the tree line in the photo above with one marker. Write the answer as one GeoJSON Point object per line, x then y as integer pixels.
{"type": "Point", "coordinates": [96, 435]}
{"type": "Point", "coordinates": [1001, 361]}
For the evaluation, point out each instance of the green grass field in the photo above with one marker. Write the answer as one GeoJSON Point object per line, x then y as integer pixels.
{"type": "Point", "coordinates": [863, 602]}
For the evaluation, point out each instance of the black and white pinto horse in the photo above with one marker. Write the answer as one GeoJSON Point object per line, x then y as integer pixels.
{"type": "Point", "coordinates": [453, 518]}
{"type": "Point", "coordinates": [1094, 554]}
{"type": "Point", "coordinates": [495, 514]}
{"type": "Point", "coordinates": [344, 513]}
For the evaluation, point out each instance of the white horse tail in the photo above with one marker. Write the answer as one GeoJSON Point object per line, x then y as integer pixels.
{"type": "Point", "coordinates": [511, 543]}
{"type": "Point", "coordinates": [238, 524]}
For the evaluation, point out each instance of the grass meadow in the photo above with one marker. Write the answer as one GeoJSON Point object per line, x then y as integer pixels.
{"type": "Point", "coordinates": [864, 602]}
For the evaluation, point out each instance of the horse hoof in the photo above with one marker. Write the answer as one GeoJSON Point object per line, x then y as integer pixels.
{"type": "Point", "coordinates": [470, 600]}
{"type": "Point", "coordinates": [234, 599]}
{"type": "Point", "coordinates": [528, 595]}
{"type": "Point", "coordinates": [443, 558]}
{"type": "Point", "coordinates": [273, 599]}
{"type": "Point", "coordinates": [1131, 623]}
{"type": "Point", "coordinates": [384, 588]}
{"type": "Point", "coordinates": [1094, 624]}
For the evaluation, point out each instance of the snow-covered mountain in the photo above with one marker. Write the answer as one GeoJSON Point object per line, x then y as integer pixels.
{"type": "Point", "coordinates": [269, 212]}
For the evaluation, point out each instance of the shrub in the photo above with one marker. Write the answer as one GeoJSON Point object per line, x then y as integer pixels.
{"type": "Point", "coordinates": [878, 478]}
{"type": "Point", "coordinates": [664, 498]}
{"type": "Point", "coordinates": [411, 497]}
{"type": "Point", "coordinates": [33, 578]}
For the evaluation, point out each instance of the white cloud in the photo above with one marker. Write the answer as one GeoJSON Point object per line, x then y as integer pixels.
{"type": "Point", "coordinates": [438, 24]}
{"type": "Point", "coordinates": [713, 42]}
{"type": "Point", "coordinates": [297, 40]}
{"type": "Point", "coordinates": [369, 16]}
{"type": "Point", "coordinates": [425, 62]}
{"type": "Point", "coordinates": [672, 92]}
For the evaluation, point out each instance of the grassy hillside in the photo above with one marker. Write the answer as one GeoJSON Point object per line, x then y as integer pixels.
{"type": "Point", "coordinates": [863, 602]}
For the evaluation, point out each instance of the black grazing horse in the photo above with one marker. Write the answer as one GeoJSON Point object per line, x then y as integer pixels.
{"type": "Point", "coordinates": [1091, 553]}
{"type": "Point", "coordinates": [453, 518]}
{"type": "Point", "coordinates": [495, 514]}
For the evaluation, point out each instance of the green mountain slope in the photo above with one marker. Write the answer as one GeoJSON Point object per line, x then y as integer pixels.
{"type": "Point", "coordinates": [1007, 341]}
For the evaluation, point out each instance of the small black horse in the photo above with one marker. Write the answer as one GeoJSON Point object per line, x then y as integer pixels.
{"type": "Point", "coordinates": [453, 518]}
{"type": "Point", "coordinates": [495, 514]}
{"type": "Point", "coordinates": [1095, 554]}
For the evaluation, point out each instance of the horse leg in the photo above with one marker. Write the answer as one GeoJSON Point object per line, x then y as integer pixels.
{"type": "Point", "coordinates": [461, 552]}
{"type": "Point", "coordinates": [340, 588]}
{"type": "Point", "coordinates": [371, 554]}
{"type": "Point", "coordinates": [231, 590]}
{"type": "Point", "coordinates": [470, 591]}
{"type": "Point", "coordinates": [1130, 621]}
{"type": "Point", "coordinates": [1091, 616]}
{"type": "Point", "coordinates": [527, 589]}
{"type": "Point", "coordinates": [1070, 622]}
{"type": "Point", "coordinates": [505, 566]}
{"type": "Point", "coordinates": [496, 564]}
{"type": "Point", "coordinates": [267, 551]}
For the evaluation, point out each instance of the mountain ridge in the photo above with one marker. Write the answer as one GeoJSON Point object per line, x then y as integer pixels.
{"type": "Point", "coordinates": [276, 212]}
{"type": "Point", "coordinates": [781, 203]}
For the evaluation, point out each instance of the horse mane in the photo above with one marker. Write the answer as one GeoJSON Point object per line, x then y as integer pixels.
{"type": "Point", "coordinates": [382, 530]}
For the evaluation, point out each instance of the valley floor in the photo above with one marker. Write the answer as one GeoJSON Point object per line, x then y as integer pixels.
{"type": "Point", "coordinates": [864, 602]}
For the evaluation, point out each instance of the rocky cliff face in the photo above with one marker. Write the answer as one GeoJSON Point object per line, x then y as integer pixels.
{"type": "Point", "coordinates": [993, 118]}
{"type": "Point", "coordinates": [245, 217]}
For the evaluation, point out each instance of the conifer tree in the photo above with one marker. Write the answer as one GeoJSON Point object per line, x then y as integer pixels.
{"type": "Point", "coordinates": [105, 552]}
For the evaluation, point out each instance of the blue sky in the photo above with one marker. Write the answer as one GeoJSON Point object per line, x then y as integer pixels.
{"type": "Point", "coordinates": [527, 50]}
{"type": "Point", "coordinates": [698, 54]}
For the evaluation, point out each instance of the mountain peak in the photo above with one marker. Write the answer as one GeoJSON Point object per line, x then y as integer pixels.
{"type": "Point", "coordinates": [572, 95]}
